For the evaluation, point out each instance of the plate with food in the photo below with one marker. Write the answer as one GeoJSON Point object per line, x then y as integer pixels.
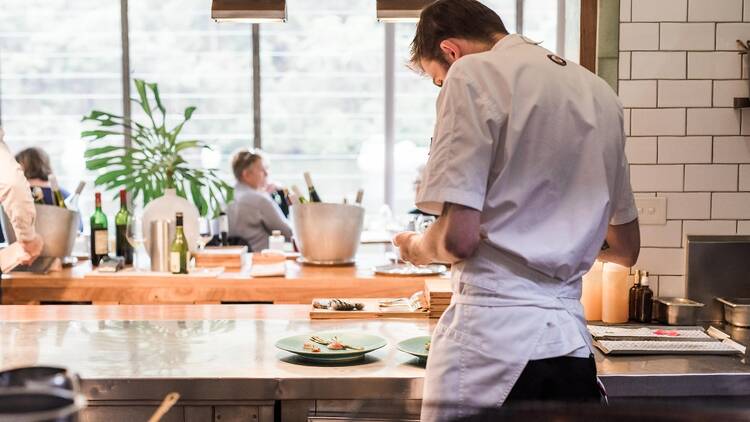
{"type": "Point", "coordinates": [410, 269]}
{"type": "Point", "coordinates": [332, 346]}
{"type": "Point", "coordinates": [416, 346]}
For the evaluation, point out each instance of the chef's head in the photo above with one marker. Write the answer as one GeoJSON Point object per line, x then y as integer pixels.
{"type": "Point", "coordinates": [449, 30]}
{"type": "Point", "coordinates": [250, 168]}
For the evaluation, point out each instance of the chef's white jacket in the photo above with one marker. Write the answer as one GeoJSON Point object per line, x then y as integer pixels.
{"type": "Point", "coordinates": [536, 144]}
{"type": "Point", "coordinates": [15, 195]}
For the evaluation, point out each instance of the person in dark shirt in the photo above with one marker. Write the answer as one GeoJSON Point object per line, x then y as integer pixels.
{"type": "Point", "coordinates": [36, 167]}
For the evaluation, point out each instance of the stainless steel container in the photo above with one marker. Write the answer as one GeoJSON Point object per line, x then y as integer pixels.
{"type": "Point", "coordinates": [676, 310]}
{"type": "Point", "coordinates": [58, 227]}
{"type": "Point", "coordinates": [159, 245]}
{"type": "Point", "coordinates": [736, 311]}
{"type": "Point", "coordinates": [328, 234]}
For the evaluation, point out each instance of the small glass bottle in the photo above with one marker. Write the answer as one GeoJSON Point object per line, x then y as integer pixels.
{"type": "Point", "coordinates": [633, 297]}
{"type": "Point", "coordinates": [276, 241]}
{"type": "Point", "coordinates": [645, 300]}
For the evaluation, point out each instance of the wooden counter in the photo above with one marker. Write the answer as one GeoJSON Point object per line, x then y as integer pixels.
{"type": "Point", "coordinates": [301, 285]}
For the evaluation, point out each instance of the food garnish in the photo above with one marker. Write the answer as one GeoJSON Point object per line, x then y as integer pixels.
{"type": "Point", "coordinates": [334, 344]}
{"type": "Point", "coordinates": [427, 346]}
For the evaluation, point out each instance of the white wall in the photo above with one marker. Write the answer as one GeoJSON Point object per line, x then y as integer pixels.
{"type": "Point", "coordinates": [679, 73]}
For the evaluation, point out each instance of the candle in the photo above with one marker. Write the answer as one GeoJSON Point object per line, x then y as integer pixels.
{"type": "Point", "coordinates": [614, 293]}
{"type": "Point", "coordinates": [591, 295]}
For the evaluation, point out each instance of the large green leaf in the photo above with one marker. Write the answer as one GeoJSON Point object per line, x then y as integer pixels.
{"type": "Point", "coordinates": [93, 152]}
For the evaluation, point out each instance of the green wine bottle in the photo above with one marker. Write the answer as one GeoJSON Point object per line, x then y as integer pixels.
{"type": "Point", "coordinates": [179, 254]}
{"type": "Point", "coordinates": [57, 197]}
{"type": "Point", "coordinates": [122, 246]}
{"type": "Point", "coordinates": [314, 197]}
{"type": "Point", "coordinates": [99, 233]}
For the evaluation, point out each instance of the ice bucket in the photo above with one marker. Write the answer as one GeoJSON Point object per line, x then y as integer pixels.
{"type": "Point", "coordinates": [58, 228]}
{"type": "Point", "coordinates": [328, 234]}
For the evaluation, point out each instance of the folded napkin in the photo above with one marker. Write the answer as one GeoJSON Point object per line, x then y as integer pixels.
{"type": "Point", "coordinates": [268, 264]}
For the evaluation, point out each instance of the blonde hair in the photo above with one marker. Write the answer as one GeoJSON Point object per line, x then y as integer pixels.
{"type": "Point", "coordinates": [242, 160]}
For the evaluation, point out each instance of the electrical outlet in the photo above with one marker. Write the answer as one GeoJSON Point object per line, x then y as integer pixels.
{"type": "Point", "coordinates": [651, 210]}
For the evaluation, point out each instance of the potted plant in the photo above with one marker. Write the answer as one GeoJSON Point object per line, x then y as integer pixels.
{"type": "Point", "coordinates": [153, 163]}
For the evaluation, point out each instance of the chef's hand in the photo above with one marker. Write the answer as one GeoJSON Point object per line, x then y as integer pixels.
{"type": "Point", "coordinates": [407, 244]}
{"type": "Point", "coordinates": [33, 248]}
{"type": "Point", "coordinates": [272, 187]}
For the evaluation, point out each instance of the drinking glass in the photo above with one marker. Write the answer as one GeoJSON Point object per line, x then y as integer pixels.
{"type": "Point", "coordinates": [204, 231]}
{"type": "Point", "coordinates": [423, 222]}
{"type": "Point", "coordinates": [134, 235]}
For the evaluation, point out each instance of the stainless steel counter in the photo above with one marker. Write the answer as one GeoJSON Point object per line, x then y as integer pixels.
{"type": "Point", "coordinates": [237, 360]}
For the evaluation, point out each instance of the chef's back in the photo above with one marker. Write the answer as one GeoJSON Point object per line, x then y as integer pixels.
{"type": "Point", "coordinates": [539, 150]}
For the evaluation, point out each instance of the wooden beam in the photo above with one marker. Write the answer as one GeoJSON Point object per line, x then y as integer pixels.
{"type": "Point", "coordinates": [589, 18]}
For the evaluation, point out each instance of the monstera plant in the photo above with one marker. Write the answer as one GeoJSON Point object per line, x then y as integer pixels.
{"type": "Point", "coordinates": [155, 159]}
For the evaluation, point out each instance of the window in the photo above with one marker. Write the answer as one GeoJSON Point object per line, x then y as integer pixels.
{"type": "Point", "coordinates": [322, 81]}
{"type": "Point", "coordinates": [196, 62]}
{"type": "Point", "coordinates": [58, 60]}
{"type": "Point", "coordinates": [322, 89]}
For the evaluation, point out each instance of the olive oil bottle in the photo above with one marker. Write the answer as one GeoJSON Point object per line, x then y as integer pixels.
{"type": "Point", "coordinates": [179, 254]}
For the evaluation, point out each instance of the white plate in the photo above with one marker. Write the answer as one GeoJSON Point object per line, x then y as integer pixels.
{"type": "Point", "coordinates": [410, 270]}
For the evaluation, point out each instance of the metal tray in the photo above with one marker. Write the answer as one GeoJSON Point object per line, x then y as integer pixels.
{"type": "Point", "coordinates": [676, 310]}
{"type": "Point", "coordinates": [736, 311]}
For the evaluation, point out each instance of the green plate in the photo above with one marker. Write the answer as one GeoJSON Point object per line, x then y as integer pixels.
{"type": "Point", "coordinates": [369, 342]}
{"type": "Point", "coordinates": [415, 346]}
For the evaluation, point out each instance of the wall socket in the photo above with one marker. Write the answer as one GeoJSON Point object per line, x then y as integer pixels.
{"type": "Point", "coordinates": [651, 210]}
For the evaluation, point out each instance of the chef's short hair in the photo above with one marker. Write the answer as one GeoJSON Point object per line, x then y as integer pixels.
{"type": "Point", "coordinates": [443, 19]}
{"type": "Point", "coordinates": [35, 163]}
{"type": "Point", "coordinates": [242, 160]}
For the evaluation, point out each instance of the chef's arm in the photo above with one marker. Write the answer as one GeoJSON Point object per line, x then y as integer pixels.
{"type": "Point", "coordinates": [452, 238]}
{"type": "Point", "coordinates": [624, 244]}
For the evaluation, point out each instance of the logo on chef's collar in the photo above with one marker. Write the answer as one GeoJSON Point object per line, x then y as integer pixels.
{"type": "Point", "coordinates": [557, 59]}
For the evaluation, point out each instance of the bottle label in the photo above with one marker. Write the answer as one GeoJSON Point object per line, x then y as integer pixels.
{"type": "Point", "coordinates": [174, 262]}
{"type": "Point", "coordinates": [101, 242]}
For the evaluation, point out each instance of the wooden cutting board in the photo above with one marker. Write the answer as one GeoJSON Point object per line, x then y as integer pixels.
{"type": "Point", "coordinates": [438, 289]}
{"type": "Point", "coordinates": [370, 311]}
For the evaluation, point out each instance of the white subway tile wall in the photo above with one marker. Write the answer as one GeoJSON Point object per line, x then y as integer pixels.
{"type": "Point", "coordinates": [714, 10]}
{"type": "Point", "coordinates": [641, 150]}
{"type": "Point", "coordinates": [659, 10]}
{"type": "Point", "coordinates": [732, 149]}
{"type": "Point", "coordinates": [710, 177]}
{"type": "Point", "coordinates": [687, 143]}
{"type": "Point", "coordinates": [639, 36]}
{"type": "Point", "coordinates": [687, 36]}
{"type": "Point", "coordinates": [684, 93]}
{"type": "Point", "coordinates": [726, 91]}
{"type": "Point", "coordinates": [691, 149]}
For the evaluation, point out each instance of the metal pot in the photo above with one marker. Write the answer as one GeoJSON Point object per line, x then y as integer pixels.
{"type": "Point", "coordinates": [676, 310]}
{"type": "Point", "coordinates": [40, 377]}
{"type": "Point", "coordinates": [18, 404]}
{"type": "Point", "coordinates": [328, 234]}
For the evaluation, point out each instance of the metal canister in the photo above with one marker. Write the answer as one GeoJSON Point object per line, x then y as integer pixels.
{"type": "Point", "coordinates": [159, 245]}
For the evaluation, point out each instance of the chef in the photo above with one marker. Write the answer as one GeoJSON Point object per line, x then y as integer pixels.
{"type": "Point", "coordinates": [15, 198]}
{"type": "Point", "coordinates": [528, 173]}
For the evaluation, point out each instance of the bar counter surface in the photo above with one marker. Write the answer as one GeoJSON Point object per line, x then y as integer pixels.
{"type": "Point", "coordinates": [301, 285]}
{"type": "Point", "coordinates": [226, 352]}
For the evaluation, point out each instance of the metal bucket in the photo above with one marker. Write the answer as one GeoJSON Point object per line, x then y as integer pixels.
{"type": "Point", "coordinates": [58, 227]}
{"type": "Point", "coordinates": [328, 234]}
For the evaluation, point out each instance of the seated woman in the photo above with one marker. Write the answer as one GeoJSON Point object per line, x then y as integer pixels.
{"type": "Point", "coordinates": [37, 168]}
{"type": "Point", "coordinates": [253, 215]}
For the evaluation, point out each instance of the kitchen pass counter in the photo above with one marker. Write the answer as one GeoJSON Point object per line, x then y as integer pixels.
{"type": "Point", "coordinates": [227, 352]}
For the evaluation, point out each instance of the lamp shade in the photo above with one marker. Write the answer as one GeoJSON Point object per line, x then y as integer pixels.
{"type": "Point", "coordinates": [400, 10]}
{"type": "Point", "coordinates": [249, 11]}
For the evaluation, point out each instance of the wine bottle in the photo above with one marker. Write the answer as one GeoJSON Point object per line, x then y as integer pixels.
{"type": "Point", "coordinates": [314, 197]}
{"type": "Point", "coordinates": [122, 246]}
{"type": "Point", "coordinates": [179, 255]}
{"type": "Point", "coordinates": [99, 233]}
{"type": "Point", "coordinates": [300, 198]}
{"type": "Point", "coordinates": [72, 201]}
{"type": "Point", "coordinates": [57, 197]}
{"type": "Point", "coordinates": [224, 228]}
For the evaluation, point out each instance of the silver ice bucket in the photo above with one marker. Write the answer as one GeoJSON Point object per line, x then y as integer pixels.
{"type": "Point", "coordinates": [328, 234]}
{"type": "Point", "coordinates": [58, 227]}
